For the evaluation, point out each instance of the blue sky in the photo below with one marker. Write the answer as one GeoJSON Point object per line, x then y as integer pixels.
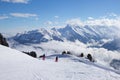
{"type": "Point", "coordinates": [32, 14]}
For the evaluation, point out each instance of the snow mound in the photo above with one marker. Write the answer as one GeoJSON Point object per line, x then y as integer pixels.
{"type": "Point", "coordinates": [15, 65]}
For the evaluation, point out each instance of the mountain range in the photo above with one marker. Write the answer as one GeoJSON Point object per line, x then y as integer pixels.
{"type": "Point", "coordinates": [104, 36]}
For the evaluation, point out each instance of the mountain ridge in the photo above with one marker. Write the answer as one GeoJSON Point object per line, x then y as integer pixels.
{"type": "Point", "coordinates": [86, 34]}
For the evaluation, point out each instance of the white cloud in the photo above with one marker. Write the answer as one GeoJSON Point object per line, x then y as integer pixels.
{"type": "Point", "coordinates": [56, 22]}
{"type": "Point", "coordinates": [16, 1]}
{"type": "Point", "coordinates": [104, 21]}
{"type": "Point", "coordinates": [48, 23]}
{"type": "Point", "coordinates": [75, 22]}
{"type": "Point", "coordinates": [23, 15]}
{"type": "Point", "coordinates": [113, 14]}
{"type": "Point", "coordinates": [52, 24]}
{"type": "Point", "coordinates": [3, 17]}
{"type": "Point", "coordinates": [56, 16]}
{"type": "Point", "coordinates": [90, 18]}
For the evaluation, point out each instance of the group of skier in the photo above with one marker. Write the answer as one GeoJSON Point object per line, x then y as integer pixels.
{"type": "Point", "coordinates": [89, 56]}
{"type": "Point", "coordinates": [43, 57]}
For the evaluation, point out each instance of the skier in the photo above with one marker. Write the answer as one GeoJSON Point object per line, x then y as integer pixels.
{"type": "Point", "coordinates": [56, 59]}
{"type": "Point", "coordinates": [43, 57]}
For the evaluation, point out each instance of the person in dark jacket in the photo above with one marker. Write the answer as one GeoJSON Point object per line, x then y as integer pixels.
{"type": "Point", "coordinates": [56, 59]}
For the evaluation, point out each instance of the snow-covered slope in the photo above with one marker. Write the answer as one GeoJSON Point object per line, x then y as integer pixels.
{"type": "Point", "coordinates": [15, 65]}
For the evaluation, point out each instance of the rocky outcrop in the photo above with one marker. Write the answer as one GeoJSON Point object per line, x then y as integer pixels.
{"type": "Point", "coordinates": [3, 41]}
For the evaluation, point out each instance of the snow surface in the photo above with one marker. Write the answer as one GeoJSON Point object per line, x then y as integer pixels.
{"type": "Point", "coordinates": [15, 65]}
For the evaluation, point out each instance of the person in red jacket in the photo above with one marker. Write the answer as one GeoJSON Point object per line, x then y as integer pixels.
{"type": "Point", "coordinates": [43, 57]}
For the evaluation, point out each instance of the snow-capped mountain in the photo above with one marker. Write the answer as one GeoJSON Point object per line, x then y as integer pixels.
{"type": "Point", "coordinates": [37, 36]}
{"type": "Point", "coordinates": [15, 65]}
{"type": "Point", "coordinates": [85, 34]}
